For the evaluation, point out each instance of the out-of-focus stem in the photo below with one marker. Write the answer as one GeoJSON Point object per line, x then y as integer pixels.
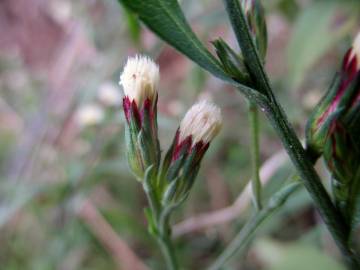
{"type": "Point", "coordinates": [255, 155]}
{"type": "Point", "coordinates": [168, 251]}
{"type": "Point", "coordinates": [247, 232]}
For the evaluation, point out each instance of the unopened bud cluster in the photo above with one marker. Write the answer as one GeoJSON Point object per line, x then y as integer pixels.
{"type": "Point", "coordinates": [175, 176]}
{"type": "Point", "coordinates": [232, 62]}
{"type": "Point", "coordinates": [140, 80]}
{"type": "Point", "coordinates": [255, 15]}
{"type": "Point", "coordinates": [333, 129]}
{"type": "Point", "coordinates": [200, 125]}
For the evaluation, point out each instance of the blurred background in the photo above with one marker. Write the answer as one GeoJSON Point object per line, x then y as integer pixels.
{"type": "Point", "coordinates": [67, 199]}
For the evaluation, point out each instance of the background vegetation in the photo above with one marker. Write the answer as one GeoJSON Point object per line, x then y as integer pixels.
{"type": "Point", "coordinates": [67, 200]}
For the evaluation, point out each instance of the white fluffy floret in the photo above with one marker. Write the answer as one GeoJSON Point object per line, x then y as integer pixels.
{"type": "Point", "coordinates": [203, 122]}
{"type": "Point", "coordinates": [140, 78]}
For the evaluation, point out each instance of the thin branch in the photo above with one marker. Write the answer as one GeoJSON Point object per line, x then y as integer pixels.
{"type": "Point", "coordinates": [255, 155]}
{"type": "Point", "coordinates": [122, 254]}
{"type": "Point", "coordinates": [227, 214]}
{"type": "Point", "coordinates": [244, 236]}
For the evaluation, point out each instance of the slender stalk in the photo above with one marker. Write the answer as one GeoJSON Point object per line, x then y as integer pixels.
{"type": "Point", "coordinates": [161, 217]}
{"type": "Point", "coordinates": [243, 238]}
{"type": "Point", "coordinates": [331, 216]}
{"type": "Point", "coordinates": [163, 234]}
{"type": "Point", "coordinates": [168, 251]}
{"type": "Point", "coordinates": [255, 155]}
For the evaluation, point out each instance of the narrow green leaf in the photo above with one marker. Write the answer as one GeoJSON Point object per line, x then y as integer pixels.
{"type": "Point", "coordinates": [167, 20]}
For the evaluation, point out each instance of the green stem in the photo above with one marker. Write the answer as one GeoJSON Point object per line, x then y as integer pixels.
{"type": "Point", "coordinates": [168, 251]}
{"type": "Point", "coordinates": [163, 232]}
{"type": "Point", "coordinates": [333, 219]}
{"type": "Point", "coordinates": [255, 155]}
{"type": "Point", "coordinates": [243, 238]}
{"type": "Point", "coordinates": [160, 218]}
{"type": "Point", "coordinates": [331, 216]}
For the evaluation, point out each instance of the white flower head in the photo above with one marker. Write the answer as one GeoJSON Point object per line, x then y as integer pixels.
{"type": "Point", "coordinates": [140, 78]}
{"type": "Point", "coordinates": [356, 50]}
{"type": "Point", "coordinates": [109, 94]}
{"type": "Point", "coordinates": [203, 122]}
{"type": "Point", "coordinates": [90, 114]}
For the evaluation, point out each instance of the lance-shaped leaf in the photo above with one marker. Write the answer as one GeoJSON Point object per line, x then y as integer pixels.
{"type": "Point", "coordinates": [166, 19]}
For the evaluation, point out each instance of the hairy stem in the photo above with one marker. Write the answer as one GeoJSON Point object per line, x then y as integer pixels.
{"type": "Point", "coordinates": [331, 216]}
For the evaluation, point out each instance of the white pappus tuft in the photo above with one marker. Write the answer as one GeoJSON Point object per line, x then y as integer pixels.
{"type": "Point", "coordinates": [140, 79]}
{"type": "Point", "coordinates": [203, 122]}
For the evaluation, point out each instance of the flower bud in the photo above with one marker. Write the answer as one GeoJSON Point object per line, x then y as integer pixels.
{"type": "Point", "coordinates": [232, 63]}
{"type": "Point", "coordinates": [340, 103]}
{"type": "Point", "coordinates": [342, 157]}
{"type": "Point", "coordinates": [202, 122]}
{"type": "Point", "coordinates": [333, 130]}
{"type": "Point", "coordinates": [182, 162]}
{"type": "Point", "coordinates": [140, 79]}
{"type": "Point", "coordinates": [255, 15]}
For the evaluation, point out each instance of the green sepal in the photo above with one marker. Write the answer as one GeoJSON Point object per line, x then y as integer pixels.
{"type": "Point", "coordinates": [190, 169]}
{"type": "Point", "coordinates": [163, 182]}
{"type": "Point", "coordinates": [168, 156]}
{"type": "Point", "coordinates": [133, 153]}
{"type": "Point", "coordinates": [316, 131]}
{"type": "Point", "coordinates": [189, 162]}
{"type": "Point", "coordinates": [191, 178]}
{"type": "Point", "coordinates": [147, 150]}
{"type": "Point", "coordinates": [175, 167]}
{"type": "Point", "coordinates": [169, 195]}
{"type": "Point", "coordinates": [180, 186]}
{"type": "Point", "coordinates": [149, 126]}
{"type": "Point", "coordinates": [148, 141]}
